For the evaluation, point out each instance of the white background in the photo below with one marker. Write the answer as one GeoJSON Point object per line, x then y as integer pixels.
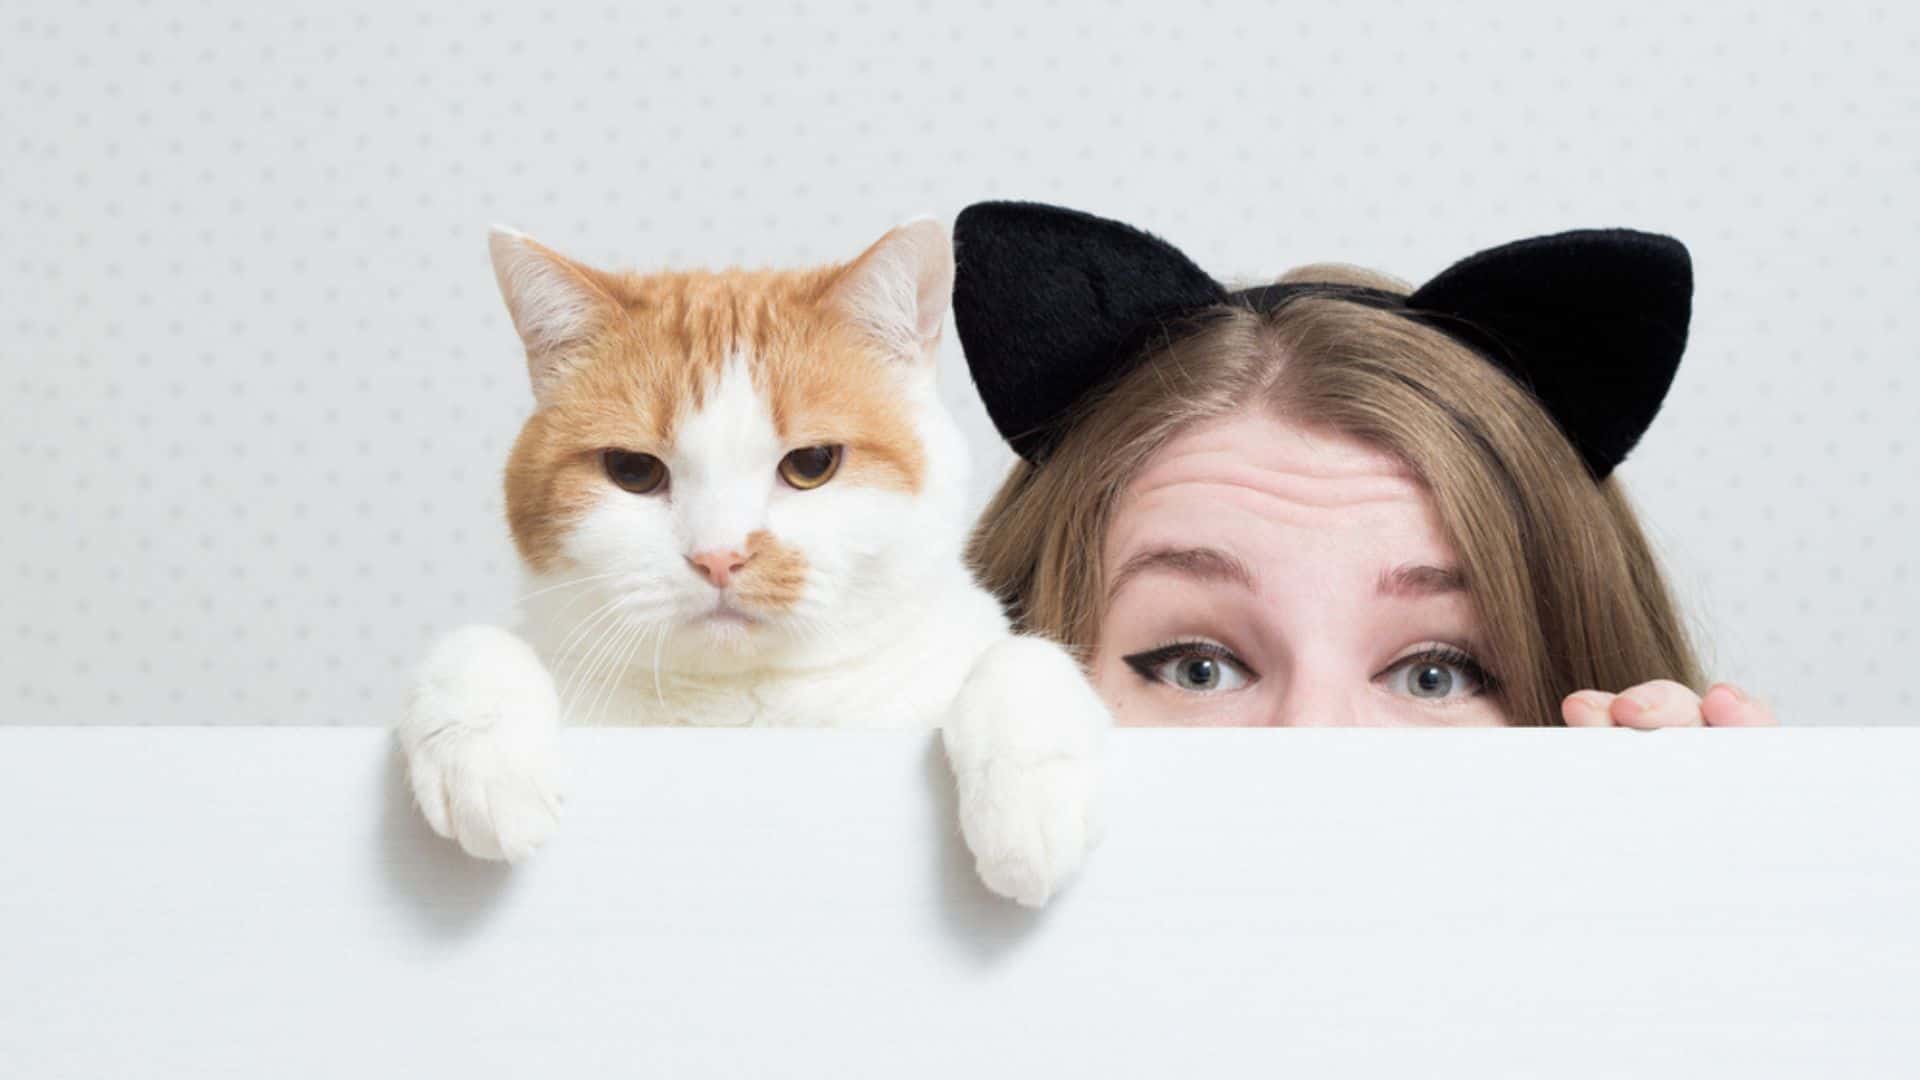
{"type": "Point", "coordinates": [258, 385]}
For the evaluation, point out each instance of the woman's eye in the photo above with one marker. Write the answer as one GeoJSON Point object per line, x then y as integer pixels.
{"type": "Point", "coordinates": [1201, 668]}
{"type": "Point", "coordinates": [1201, 673]}
{"type": "Point", "coordinates": [642, 474]}
{"type": "Point", "coordinates": [810, 466]}
{"type": "Point", "coordinates": [1453, 676]}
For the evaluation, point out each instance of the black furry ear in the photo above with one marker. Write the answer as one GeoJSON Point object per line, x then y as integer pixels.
{"type": "Point", "coordinates": [1593, 322]}
{"type": "Point", "coordinates": [1051, 303]}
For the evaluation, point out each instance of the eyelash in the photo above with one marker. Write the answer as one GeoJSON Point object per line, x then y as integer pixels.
{"type": "Point", "coordinates": [1146, 664]}
{"type": "Point", "coordinates": [1441, 653]}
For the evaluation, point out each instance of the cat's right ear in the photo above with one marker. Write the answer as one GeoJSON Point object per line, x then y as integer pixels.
{"type": "Point", "coordinates": [898, 290]}
{"type": "Point", "coordinates": [556, 303]}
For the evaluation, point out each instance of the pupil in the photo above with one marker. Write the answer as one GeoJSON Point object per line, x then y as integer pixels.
{"type": "Point", "coordinates": [635, 471]}
{"type": "Point", "coordinates": [811, 463]}
{"type": "Point", "coordinates": [1432, 680]}
{"type": "Point", "coordinates": [1200, 672]}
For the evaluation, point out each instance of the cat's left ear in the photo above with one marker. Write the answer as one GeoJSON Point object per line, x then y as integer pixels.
{"type": "Point", "coordinates": [898, 289]}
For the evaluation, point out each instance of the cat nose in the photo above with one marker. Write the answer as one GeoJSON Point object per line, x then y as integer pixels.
{"type": "Point", "coordinates": [717, 566]}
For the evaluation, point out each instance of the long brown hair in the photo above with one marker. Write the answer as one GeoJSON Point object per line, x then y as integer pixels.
{"type": "Point", "coordinates": [1567, 590]}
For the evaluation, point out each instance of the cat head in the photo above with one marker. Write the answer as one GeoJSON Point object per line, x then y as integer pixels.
{"type": "Point", "coordinates": [739, 459]}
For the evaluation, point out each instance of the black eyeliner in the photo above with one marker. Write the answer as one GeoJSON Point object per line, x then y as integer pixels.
{"type": "Point", "coordinates": [1145, 663]}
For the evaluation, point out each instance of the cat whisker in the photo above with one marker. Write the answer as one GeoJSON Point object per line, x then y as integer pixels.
{"type": "Point", "coordinates": [617, 675]}
{"type": "Point", "coordinates": [587, 580]}
{"type": "Point", "coordinates": [582, 666]}
{"type": "Point", "coordinates": [807, 620]}
{"type": "Point", "coordinates": [658, 696]}
{"type": "Point", "coordinates": [606, 663]}
{"type": "Point", "coordinates": [578, 627]}
{"type": "Point", "coordinates": [606, 659]}
{"type": "Point", "coordinates": [583, 594]}
{"type": "Point", "coordinates": [589, 686]}
{"type": "Point", "coordinates": [564, 656]}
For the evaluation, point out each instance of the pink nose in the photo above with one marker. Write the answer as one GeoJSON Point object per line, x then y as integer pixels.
{"type": "Point", "coordinates": [717, 566]}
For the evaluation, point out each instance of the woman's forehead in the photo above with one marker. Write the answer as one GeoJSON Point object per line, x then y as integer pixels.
{"type": "Point", "coordinates": [1273, 493]}
{"type": "Point", "coordinates": [1253, 445]}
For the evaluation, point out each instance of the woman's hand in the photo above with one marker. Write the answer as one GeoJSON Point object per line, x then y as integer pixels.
{"type": "Point", "coordinates": [1663, 703]}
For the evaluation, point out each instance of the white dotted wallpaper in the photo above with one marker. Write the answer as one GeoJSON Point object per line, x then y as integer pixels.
{"type": "Point", "coordinates": [259, 386]}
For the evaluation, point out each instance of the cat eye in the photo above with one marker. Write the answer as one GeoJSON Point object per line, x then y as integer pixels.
{"type": "Point", "coordinates": [642, 474]}
{"type": "Point", "coordinates": [810, 466]}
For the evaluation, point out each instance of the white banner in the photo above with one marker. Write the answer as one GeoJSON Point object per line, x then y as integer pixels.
{"type": "Point", "coordinates": [265, 903]}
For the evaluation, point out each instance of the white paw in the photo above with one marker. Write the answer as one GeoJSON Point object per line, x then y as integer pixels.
{"type": "Point", "coordinates": [481, 736]}
{"type": "Point", "coordinates": [1024, 739]}
{"type": "Point", "coordinates": [495, 801]}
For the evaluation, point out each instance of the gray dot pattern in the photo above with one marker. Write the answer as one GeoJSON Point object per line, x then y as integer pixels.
{"type": "Point", "coordinates": [258, 385]}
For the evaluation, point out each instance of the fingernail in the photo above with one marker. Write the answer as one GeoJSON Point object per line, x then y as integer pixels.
{"type": "Point", "coordinates": [1628, 707]}
{"type": "Point", "coordinates": [1738, 695]}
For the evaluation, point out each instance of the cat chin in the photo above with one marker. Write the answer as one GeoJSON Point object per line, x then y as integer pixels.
{"type": "Point", "coordinates": [729, 629]}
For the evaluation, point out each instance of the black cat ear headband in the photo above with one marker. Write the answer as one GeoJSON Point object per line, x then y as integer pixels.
{"type": "Point", "coordinates": [1052, 304]}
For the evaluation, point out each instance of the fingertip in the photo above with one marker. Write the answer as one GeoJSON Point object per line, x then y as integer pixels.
{"type": "Point", "coordinates": [1586, 708]}
{"type": "Point", "coordinates": [1637, 711]}
{"type": "Point", "coordinates": [1657, 704]}
{"type": "Point", "coordinates": [1726, 705]}
{"type": "Point", "coordinates": [1722, 706]}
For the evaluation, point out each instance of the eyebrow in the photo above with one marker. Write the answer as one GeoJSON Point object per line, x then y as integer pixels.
{"type": "Point", "coordinates": [1198, 563]}
{"type": "Point", "coordinates": [1421, 580]}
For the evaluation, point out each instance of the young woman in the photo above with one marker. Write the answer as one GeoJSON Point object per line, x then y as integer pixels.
{"type": "Point", "coordinates": [1333, 500]}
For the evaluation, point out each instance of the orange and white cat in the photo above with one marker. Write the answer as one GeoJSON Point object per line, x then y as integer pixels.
{"type": "Point", "coordinates": [739, 501]}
